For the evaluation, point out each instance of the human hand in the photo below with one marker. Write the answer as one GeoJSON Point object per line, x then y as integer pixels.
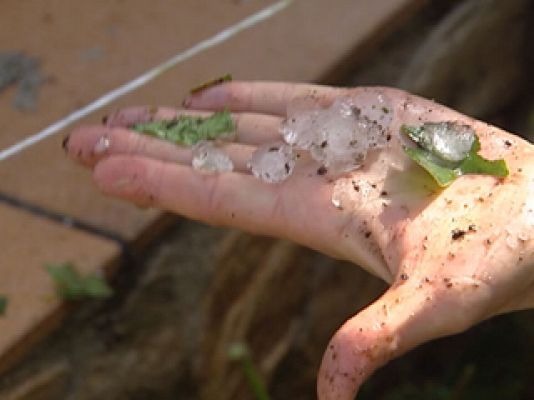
{"type": "Point", "coordinates": [453, 257]}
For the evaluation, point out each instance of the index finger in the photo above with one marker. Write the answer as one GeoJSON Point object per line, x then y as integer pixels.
{"type": "Point", "coordinates": [259, 97]}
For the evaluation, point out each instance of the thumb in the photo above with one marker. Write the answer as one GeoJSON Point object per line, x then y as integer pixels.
{"type": "Point", "coordinates": [411, 312]}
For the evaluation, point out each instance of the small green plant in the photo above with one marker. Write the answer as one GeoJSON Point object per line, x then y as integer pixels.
{"type": "Point", "coordinates": [71, 285]}
{"type": "Point", "coordinates": [239, 352]}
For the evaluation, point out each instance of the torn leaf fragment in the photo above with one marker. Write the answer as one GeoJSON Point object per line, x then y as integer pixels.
{"type": "Point", "coordinates": [476, 164]}
{"type": "Point", "coordinates": [442, 175]}
{"type": "Point", "coordinates": [187, 130]}
{"type": "Point", "coordinates": [272, 163]}
{"type": "Point", "coordinates": [447, 150]}
{"type": "Point", "coordinates": [71, 285]}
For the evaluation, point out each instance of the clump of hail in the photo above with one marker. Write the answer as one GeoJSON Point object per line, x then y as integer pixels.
{"type": "Point", "coordinates": [338, 137]}
{"type": "Point", "coordinates": [207, 157]}
{"type": "Point", "coordinates": [272, 162]}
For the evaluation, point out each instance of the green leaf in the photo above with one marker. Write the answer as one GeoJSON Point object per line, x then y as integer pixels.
{"type": "Point", "coordinates": [442, 175]}
{"type": "Point", "coordinates": [96, 287]}
{"type": "Point", "coordinates": [475, 164]}
{"type": "Point", "coordinates": [187, 130]}
{"type": "Point", "coordinates": [3, 304]}
{"type": "Point", "coordinates": [443, 170]}
{"type": "Point", "coordinates": [67, 280]}
{"type": "Point", "coordinates": [70, 285]}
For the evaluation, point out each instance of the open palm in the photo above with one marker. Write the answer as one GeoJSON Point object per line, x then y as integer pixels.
{"type": "Point", "coordinates": [453, 257]}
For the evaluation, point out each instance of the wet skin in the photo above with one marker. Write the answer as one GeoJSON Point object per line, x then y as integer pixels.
{"type": "Point", "coordinates": [453, 257]}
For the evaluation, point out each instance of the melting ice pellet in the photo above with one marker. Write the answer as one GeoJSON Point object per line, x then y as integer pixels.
{"type": "Point", "coordinates": [208, 157]}
{"type": "Point", "coordinates": [340, 136]}
{"type": "Point", "coordinates": [272, 162]}
{"type": "Point", "coordinates": [375, 107]}
{"type": "Point", "coordinates": [450, 140]}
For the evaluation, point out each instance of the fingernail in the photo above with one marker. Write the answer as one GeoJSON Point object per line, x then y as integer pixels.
{"type": "Point", "coordinates": [65, 143]}
{"type": "Point", "coordinates": [103, 144]}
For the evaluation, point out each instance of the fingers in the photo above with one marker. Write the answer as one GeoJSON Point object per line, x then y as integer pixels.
{"type": "Point", "coordinates": [90, 144]}
{"type": "Point", "coordinates": [407, 315]}
{"type": "Point", "coordinates": [220, 199]}
{"type": "Point", "coordinates": [259, 97]}
{"type": "Point", "coordinates": [250, 128]}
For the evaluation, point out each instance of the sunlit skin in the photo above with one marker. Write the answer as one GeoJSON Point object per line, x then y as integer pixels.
{"type": "Point", "coordinates": [452, 257]}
